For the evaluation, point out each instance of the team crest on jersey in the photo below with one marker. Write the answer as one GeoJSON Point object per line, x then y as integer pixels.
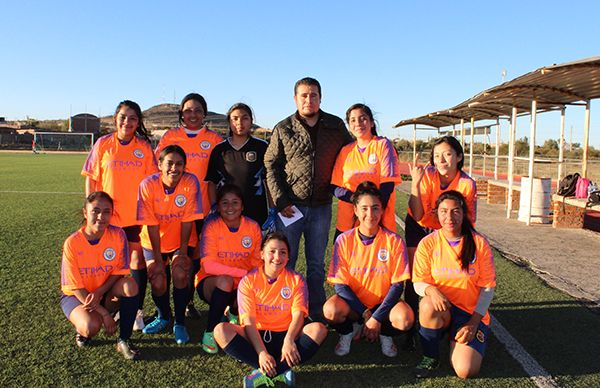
{"type": "Point", "coordinates": [205, 145]}
{"type": "Point", "coordinates": [138, 153]}
{"type": "Point", "coordinates": [180, 200]}
{"type": "Point", "coordinates": [480, 336]}
{"type": "Point", "coordinates": [109, 254]}
{"type": "Point", "coordinates": [372, 159]}
{"type": "Point", "coordinates": [286, 292]}
{"type": "Point", "coordinates": [246, 242]}
{"type": "Point", "coordinates": [251, 156]}
{"type": "Point", "coordinates": [383, 255]}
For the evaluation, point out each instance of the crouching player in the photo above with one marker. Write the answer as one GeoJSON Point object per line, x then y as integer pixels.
{"type": "Point", "coordinates": [168, 204]}
{"type": "Point", "coordinates": [368, 271]}
{"type": "Point", "coordinates": [273, 304]}
{"type": "Point", "coordinates": [455, 275]}
{"type": "Point", "coordinates": [95, 260]}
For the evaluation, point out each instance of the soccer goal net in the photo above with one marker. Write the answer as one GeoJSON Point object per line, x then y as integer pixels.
{"type": "Point", "coordinates": [63, 141]}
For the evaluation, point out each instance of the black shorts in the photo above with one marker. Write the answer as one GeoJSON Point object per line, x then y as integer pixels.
{"type": "Point", "coordinates": [413, 232]}
{"type": "Point", "coordinates": [133, 233]}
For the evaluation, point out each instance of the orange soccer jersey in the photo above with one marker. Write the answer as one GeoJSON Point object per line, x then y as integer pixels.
{"type": "Point", "coordinates": [197, 150]}
{"type": "Point", "coordinates": [118, 170]}
{"type": "Point", "coordinates": [377, 163]}
{"type": "Point", "coordinates": [438, 264]}
{"type": "Point", "coordinates": [89, 266]}
{"type": "Point", "coordinates": [369, 270]}
{"type": "Point", "coordinates": [272, 305]}
{"type": "Point", "coordinates": [239, 249]}
{"type": "Point", "coordinates": [156, 207]}
{"type": "Point", "coordinates": [431, 188]}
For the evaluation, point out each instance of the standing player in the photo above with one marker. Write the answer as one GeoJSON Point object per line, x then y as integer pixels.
{"type": "Point", "coordinates": [454, 273]}
{"type": "Point", "coordinates": [272, 337]}
{"type": "Point", "coordinates": [198, 142]}
{"type": "Point", "coordinates": [94, 264]}
{"type": "Point", "coordinates": [230, 247]}
{"type": "Point", "coordinates": [169, 203]}
{"type": "Point", "coordinates": [443, 173]}
{"type": "Point", "coordinates": [117, 165]}
{"type": "Point", "coordinates": [368, 271]}
{"type": "Point", "coordinates": [370, 158]}
{"type": "Point", "coordinates": [239, 160]}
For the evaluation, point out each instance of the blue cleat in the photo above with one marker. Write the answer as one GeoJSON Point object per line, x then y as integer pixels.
{"type": "Point", "coordinates": [156, 326]}
{"type": "Point", "coordinates": [181, 334]}
{"type": "Point", "coordinates": [257, 379]}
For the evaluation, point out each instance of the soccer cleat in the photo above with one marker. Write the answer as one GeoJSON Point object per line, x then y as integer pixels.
{"type": "Point", "coordinates": [356, 331]}
{"type": "Point", "coordinates": [233, 319]}
{"type": "Point", "coordinates": [288, 378]}
{"type": "Point", "coordinates": [257, 379]}
{"type": "Point", "coordinates": [191, 312]}
{"type": "Point", "coordinates": [156, 326]}
{"type": "Point", "coordinates": [139, 324]}
{"type": "Point", "coordinates": [388, 348]}
{"type": "Point", "coordinates": [343, 346]}
{"type": "Point", "coordinates": [82, 341]}
{"type": "Point", "coordinates": [181, 334]}
{"type": "Point", "coordinates": [425, 367]}
{"type": "Point", "coordinates": [208, 343]}
{"type": "Point", "coordinates": [128, 349]}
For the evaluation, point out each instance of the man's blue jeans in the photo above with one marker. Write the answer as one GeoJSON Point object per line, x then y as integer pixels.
{"type": "Point", "coordinates": [315, 226]}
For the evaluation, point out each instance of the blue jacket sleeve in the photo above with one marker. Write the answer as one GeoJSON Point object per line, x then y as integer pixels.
{"type": "Point", "coordinates": [387, 188]}
{"type": "Point", "coordinates": [345, 292]}
{"type": "Point", "coordinates": [390, 300]}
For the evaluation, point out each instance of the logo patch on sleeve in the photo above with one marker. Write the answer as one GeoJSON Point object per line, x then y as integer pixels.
{"type": "Point", "coordinates": [480, 336]}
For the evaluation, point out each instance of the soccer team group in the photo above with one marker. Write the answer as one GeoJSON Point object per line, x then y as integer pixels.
{"type": "Point", "coordinates": [224, 217]}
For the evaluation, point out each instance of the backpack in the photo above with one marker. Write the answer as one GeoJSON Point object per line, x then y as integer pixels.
{"type": "Point", "coordinates": [593, 199]}
{"type": "Point", "coordinates": [567, 185]}
{"type": "Point", "coordinates": [581, 189]}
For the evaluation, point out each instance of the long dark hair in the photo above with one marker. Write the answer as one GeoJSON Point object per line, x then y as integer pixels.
{"type": "Point", "coordinates": [242, 106]}
{"type": "Point", "coordinates": [97, 195]}
{"type": "Point", "coordinates": [275, 236]}
{"type": "Point", "coordinates": [366, 110]}
{"type": "Point", "coordinates": [455, 144]}
{"type": "Point", "coordinates": [367, 188]}
{"type": "Point", "coordinates": [467, 255]}
{"type": "Point", "coordinates": [196, 97]}
{"type": "Point", "coordinates": [141, 129]}
{"type": "Point", "coordinates": [229, 188]}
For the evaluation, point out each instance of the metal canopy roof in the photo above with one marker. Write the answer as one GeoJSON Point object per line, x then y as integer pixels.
{"type": "Point", "coordinates": [552, 87]}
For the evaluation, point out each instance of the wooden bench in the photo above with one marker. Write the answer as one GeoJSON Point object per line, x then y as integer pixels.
{"type": "Point", "coordinates": [568, 212]}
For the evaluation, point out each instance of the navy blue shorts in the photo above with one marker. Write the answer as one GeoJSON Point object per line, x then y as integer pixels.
{"type": "Point", "coordinates": [459, 319]}
{"type": "Point", "coordinates": [133, 233]}
{"type": "Point", "coordinates": [413, 232]}
{"type": "Point", "coordinates": [273, 341]}
{"type": "Point", "coordinates": [149, 254]}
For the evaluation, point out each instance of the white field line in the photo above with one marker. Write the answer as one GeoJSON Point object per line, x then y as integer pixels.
{"type": "Point", "coordinates": [42, 192]}
{"type": "Point", "coordinates": [536, 372]}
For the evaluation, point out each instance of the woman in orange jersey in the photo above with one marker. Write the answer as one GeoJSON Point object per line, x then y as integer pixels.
{"type": "Point", "coordinates": [368, 270]}
{"type": "Point", "coordinates": [168, 204]}
{"type": "Point", "coordinates": [198, 143]}
{"type": "Point", "coordinates": [229, 248]}
{"type": "Point", "coordinates": [93, 282]}
{"type": "Point", "coordinates": [369, 158]}
{"type": "Point", "coordinates": [443, 173]}
{"type": "Point", "coordinates": [454, 273]}
{"type": "Point", "coordinates": [117, 164]}
{"type": "Point", "coordinates": [273, 303]}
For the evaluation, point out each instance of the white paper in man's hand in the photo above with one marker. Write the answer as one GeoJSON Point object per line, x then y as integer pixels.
{"type": "Point", "coordinates": [287, 221]}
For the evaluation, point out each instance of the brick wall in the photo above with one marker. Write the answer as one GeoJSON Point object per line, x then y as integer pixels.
{"type": "Point", "coordinates": [567, 216]}
{"type": "Point", "coordinates": [482, 187]}
{"type": "Point", "coordinates": [496, 194]}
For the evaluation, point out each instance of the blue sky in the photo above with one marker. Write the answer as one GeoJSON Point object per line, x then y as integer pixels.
{"type": "Point", "coordinates": [402, 58]}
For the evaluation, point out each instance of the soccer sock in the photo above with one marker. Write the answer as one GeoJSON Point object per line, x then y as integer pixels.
{"type": "Point", "coordinates": [141, 279]}
{"type": "Point", "coordinates": [128, 306]}
{"type": "Point", "coordinates": [162, 305]}
{"type": "Point", "coordinates": [344, 327]}
{"type": "Point", "coordinates": [240, 349]}
{"type": "Point", "coordinates": [307, 349]}
{"type": "Point", "coordinates": [430, 341]}
{"type": "Point", "coordinates": [180, 300]}
{"type": "Point", "coordinates": [195, 269]}
{"type": "Point", "coordinates": [218, 303]}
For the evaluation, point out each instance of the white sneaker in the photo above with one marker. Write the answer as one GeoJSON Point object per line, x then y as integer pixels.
{"type": "Point", "coordinates": [117, 317]}
{"type": "Point", "coordinates": [139, 324]}
{"type": "Point", "coordinates": [343, 346]}
{"type": "Point", "coordinates": [388, 348]}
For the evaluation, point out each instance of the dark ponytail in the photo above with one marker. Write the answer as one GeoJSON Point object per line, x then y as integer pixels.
{"type": "Point", "coordinates": [467, 255]}
{"type": "Point", "coordinates": [141, 130]}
